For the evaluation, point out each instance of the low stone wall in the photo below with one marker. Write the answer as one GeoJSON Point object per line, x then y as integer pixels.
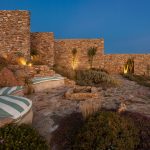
{"type": "Point", "coordinates": [34, 71]}
{"type": "Point", "coordinates": [63, 52]}
{"type": "Point", "coordinates": [43, 43]}
{"type": "Point", "coordinates": [114, 63]}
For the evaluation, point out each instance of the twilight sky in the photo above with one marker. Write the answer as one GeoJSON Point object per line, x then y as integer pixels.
{"type": "Point", "coordinates": [124, 24]}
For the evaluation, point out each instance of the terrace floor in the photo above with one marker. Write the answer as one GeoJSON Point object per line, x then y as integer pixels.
{"type": "Point", "coordinates": [51, 106]}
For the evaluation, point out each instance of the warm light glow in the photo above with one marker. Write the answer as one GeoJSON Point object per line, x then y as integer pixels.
{"type": "Point", "coordinates": [74, 65]}
{"type": "Point", "coordinates": [30, 64]}
{"type": "Point", "coordinates": [22, 61]}
{"type": "Point", "coordinates": [125, 69]}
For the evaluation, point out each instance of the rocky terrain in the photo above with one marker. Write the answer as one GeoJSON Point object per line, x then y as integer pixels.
{"type": "Point", "coordinates": [51, 106]}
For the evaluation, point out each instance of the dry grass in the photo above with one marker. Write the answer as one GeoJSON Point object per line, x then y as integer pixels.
{"type": "Point", "coordinates": [89, 107]}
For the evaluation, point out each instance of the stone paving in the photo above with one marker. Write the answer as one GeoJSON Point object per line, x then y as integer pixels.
{"type": "Point", "coordinates": [50, 106]}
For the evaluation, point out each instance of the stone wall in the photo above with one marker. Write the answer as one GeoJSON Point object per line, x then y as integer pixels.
{"type": "Point", "coordinates": [63, 54]}
{"type": "Point", "coordinates": [43, 43]}
{"type": "Point", "coordinates": [14, 33]}
{"type": "Point", "coordinates": [33, 71]}
{"type": "Point", "coordinates": [15, 39]}
{"type": "Point", "coordinates": [114, 63]}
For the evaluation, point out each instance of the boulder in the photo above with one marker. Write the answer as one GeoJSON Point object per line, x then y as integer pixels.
{"type": "Point", "coordinates": [8, 78]}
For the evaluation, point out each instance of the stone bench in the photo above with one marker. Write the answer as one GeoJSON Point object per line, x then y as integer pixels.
{"type": "Point", "coordinates": [44, 83]}
{"type": "Point", "coordinates": [17, 108]}
{"type": "Point", "coordinates": [15, 90]}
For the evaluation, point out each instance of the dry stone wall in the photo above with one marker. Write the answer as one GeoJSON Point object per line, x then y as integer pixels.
{"type": "Point", "coordinates": [15, 39]}
{"type": "Point", "coordinates": [114, 63]}
{"type": "Point", "coordinates": [14, 33]}
{"type": "Point", "coordinates": [64, 57]}
{"type": "Point", "coordinates": [43, 43]}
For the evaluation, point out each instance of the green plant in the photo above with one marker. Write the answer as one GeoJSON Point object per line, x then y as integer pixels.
{"type": "Point", "coordinates": [143, 124]}
{"type": "Point", "coordinates": [91, 53]}
{"type": "Point", "coordinates": [28, 87]}
{"type": "Point", "coordinates": [94, 77]}
{"type": "Point", "coordinates": [74, 55]}
{"type": "Point", "coordinates": [19, 54]}
{"type": "Point", "coordinates": [129, 66]}
{"type": "Point", "coordinates": [100, 69]}
{"type": "Point", "coordinates": [21, 137]}
{"type": "Point", "coordinates": [107, 130]}
{"type": "Point", "coordinates": [64, 136]}
{"type": "Point", "coordinates": [36, 59]}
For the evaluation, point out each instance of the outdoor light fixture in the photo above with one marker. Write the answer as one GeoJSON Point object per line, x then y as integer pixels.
{"type": "Point", "coordinates": [22, 61]}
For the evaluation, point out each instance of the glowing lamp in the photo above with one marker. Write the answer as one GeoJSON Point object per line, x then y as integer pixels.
{"type": "Point", "coordinates": [125, 69]}
{"type": "Point", "coordinates": [22, 61]}
{"type": "Point", "coordinates": [30, 64]}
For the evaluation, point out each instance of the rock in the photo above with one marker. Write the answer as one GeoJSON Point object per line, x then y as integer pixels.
{"type": "Point", "coordinates": [82, 93]}
{"type": "Point", "coordinates": [21, 73]}
{"type": "Point", "coordinates": [8, 78]}
{"type": "Point", "coordinates": [5, 121]}
{"type": "Point", "coordinates": [69, 83]}
{"type": "Point", "coordinates": [122, 108]}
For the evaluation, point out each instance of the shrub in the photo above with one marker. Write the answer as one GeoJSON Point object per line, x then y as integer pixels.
{"type": "Point", "coordinates": [64, 71]}
{"type": "Point", "coordinates": [107, 131]}
{"type": "Point", "coordinates": [129, 66]}
{"type": "Point", "coordinates": [34, 52]}
{"type": "Point", "coordinates": [91, 53]}
{"type": "Point", "coordinates": [28, 86]}
{"type": "Point", "coordinates": [63, 137]}
{"type": "Point", "coordinates": [143, 124]}
{"type": "Point", "coordinates": [21, 137]}
{"type": "Point", "coordinates": [94, 77]}
{"type": "Point", "coordinates": [19, 54]}
{"type": "Point", "coordinates": [101, 69]}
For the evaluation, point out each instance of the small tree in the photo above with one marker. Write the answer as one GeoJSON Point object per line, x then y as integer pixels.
{"type": "Point", "coordinates": [74, 55]}
{"type": "Point", "coordinates": [91, 53]}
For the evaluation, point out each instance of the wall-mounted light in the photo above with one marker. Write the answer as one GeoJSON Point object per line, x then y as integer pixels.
{"type": "Point", "coordinates": [22, 61]}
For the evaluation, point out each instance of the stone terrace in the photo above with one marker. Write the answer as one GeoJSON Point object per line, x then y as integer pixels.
{"type": "Point", "coordinates": [50, 106]}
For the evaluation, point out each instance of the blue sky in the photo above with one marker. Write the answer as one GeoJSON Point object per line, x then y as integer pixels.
{"type": "Point", "coordinates": [124, 24]}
